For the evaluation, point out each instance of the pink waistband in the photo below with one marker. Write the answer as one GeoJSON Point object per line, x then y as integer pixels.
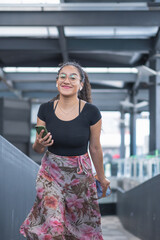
{"type": "Point", "coordinates": [83, 161]}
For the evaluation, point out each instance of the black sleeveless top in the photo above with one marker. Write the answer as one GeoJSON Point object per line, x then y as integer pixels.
{"type": "Point", "coordinates": [70, 137]}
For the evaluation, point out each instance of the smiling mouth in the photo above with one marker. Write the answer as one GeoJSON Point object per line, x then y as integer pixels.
{"type": "Point", "coordinates": [67, 87]}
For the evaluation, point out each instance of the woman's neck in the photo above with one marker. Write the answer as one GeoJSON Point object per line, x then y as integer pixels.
{"type": "Point", "coordinates": [68, 102]}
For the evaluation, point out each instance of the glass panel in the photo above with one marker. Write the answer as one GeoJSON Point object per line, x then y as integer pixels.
{"type": "Point", "coordinates": [33, 136]}
{"type": "Point", "coordinates": [28, 31]}
{"type": "Point", "coordinates": [145, 169]}
{"type": "Point", "coordinates": [29, 1]}
{"type": "Point", "coordinates": [136, 31]}
{"type": "Point", "coordinates": [101, 32]}
{"type": "Point", "coordinates": [137, 169]}
{"type": "Point", "coordinates": [30, 69]}
{"type": "Point", "coordinates": [34, 111]}
{"type": "Point", "coordinates": [132, 170]}
{"type": "Point", "coordinates": [55, 69]}
{"type": "Point", "coordinates": [111, 70]}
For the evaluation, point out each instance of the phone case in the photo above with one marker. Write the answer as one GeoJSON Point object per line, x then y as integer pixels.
{"type": "Point", "coordinates": [39, 129]}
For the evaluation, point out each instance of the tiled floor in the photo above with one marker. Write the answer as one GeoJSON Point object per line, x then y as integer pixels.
{"type": "Point", "coordinates": [113, 230]}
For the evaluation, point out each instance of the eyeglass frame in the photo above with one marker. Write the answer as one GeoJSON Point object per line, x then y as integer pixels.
{"type": "Point", "coordinates": [71, 81]}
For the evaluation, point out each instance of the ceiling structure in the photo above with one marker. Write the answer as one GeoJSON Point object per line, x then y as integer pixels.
{"type": "Point", "coordinates": [113, 41]}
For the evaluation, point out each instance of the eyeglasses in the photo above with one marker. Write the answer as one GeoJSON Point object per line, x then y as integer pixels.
{"type": "Point", "coordinates": [72, 77]}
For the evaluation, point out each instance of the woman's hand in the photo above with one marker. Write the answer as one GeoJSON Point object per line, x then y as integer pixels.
{"type": "Point", "coordinates": [46, 141]}
{"type": "Point", "coordinates": [105, 183]}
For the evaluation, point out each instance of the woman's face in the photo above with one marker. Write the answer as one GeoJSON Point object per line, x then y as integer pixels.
{"type": "Point", "coordinates": [69, 81]}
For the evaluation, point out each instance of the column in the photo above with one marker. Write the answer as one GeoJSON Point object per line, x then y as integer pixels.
{"type": "Point", "coordinates": [122, 131]}
{"type": "Point", "coordinates": [133, 127]}
{"type": "Point", "coordinates": [154, 107]}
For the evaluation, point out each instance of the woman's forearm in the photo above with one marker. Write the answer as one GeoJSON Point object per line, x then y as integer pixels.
{"type": "Point", "coordinates": [38, 148]}
{"type": "Point", "coordinates": [97, 158]}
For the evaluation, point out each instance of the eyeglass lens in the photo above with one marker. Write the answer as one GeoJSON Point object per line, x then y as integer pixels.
{"type": "Point", "coordinates": [72, 77]}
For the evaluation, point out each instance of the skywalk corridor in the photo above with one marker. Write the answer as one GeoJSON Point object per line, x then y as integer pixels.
{"type": "Point", "coordinates": [137, 209]}
{"type": "Point", "coordinates": [113, 229]}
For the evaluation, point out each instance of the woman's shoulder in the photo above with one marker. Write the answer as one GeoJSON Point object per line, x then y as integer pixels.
{"type": "Point", "coordinates": [46, 105]}
{"type": "Point", "coordinates": [93, 113]}
{"type": "Point", "coordinates": [91, 106]}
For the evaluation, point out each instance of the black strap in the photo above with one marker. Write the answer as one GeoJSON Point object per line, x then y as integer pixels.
{"type": "Point", "coordinates": [56, 105]}
{"type": "Point", "coordinates": [79, 105]}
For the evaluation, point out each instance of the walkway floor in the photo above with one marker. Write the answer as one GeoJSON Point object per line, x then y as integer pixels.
{"type": "Point", "coordinates": [113, 230]}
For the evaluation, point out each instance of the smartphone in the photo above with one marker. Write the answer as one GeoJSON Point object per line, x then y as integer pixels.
{"type": "Point", "coordinates": [40, 128]}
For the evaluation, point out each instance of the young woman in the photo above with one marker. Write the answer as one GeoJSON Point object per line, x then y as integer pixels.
{"type": "Point", "coordinates": [66, 206]}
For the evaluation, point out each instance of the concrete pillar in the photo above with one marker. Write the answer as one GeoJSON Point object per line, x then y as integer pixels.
{"type": "Point", "coordinates": [154, 107]}
{"type": "Point", "coordinates": [133, 126]}
{"type": "Point", "coordinates": [122, 131]}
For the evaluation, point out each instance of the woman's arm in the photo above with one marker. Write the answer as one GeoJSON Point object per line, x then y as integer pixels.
{"type": "Point", "coordinates": [41, 143]}
{"type": "Point", "coordinates": [96, 152]}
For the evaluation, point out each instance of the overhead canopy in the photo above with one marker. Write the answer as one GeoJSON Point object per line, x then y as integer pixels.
{"type": "Point", "coordinates": [97, 34]}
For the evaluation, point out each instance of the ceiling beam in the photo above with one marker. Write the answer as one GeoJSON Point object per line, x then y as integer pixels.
{"type": "Point", "coordinates": [100, 94]}
{"type": "Point", "coordinates": [75, 45]}
{"type": "Point", "coordinates": [103, 1]}
{"type": "Point", "coordinates": [9, 85]}
{"type": "Point", "coordinates": [51, 77]}
{"type": "Point", "coordinates": [128, 45]}
{"type": "Point", "coordinates": [13, 60]}
{"type": "Point", "coordinates": [63, 44]}
{"type": "Point", "coordinates": [1, 74]}
{"type": "Point", "coordinates": [155, 47]}
{"type": "Point", "coordinates": [157, 41]}
{"type": "Point", "coordinates": [29, 44]}
{"type": "Point", "coordinates": [81, 18]}
{"type": "Point", "coordinates": [48, 86]}
{"type": "Point", "coordinates": [144, 72]}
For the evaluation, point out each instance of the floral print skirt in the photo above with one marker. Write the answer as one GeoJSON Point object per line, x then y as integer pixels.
{"type": "Point", "coordinates": [66, 204]}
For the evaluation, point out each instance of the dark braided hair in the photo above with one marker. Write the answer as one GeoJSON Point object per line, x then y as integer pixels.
{"type": "Point", "coordinates": [85, 93]}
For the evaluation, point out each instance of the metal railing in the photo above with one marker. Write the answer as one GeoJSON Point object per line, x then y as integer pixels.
{"type": "Point", "coordinates": [139, 168]}
{"type": "Point", "coordinates": [18, 189]}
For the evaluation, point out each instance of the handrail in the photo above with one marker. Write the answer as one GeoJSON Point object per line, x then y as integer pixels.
{"type": "Point", "coordinates": [18, 190]}
{"type": "Point", "coordinates": [138, 168]}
